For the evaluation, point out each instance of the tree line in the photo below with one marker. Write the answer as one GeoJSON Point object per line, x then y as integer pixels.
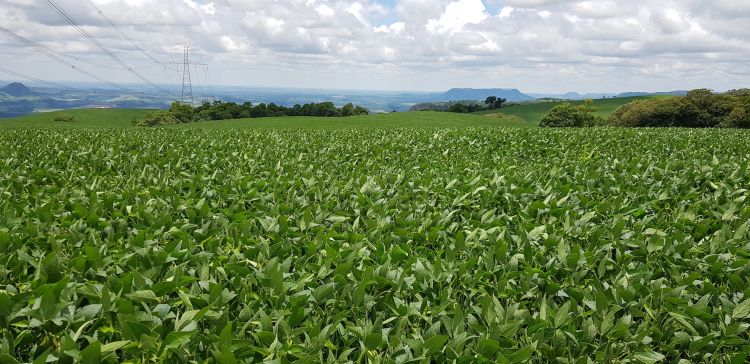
{"type": "Point", "coordinates": [701, 108]}
{"type": "Point", "coordinates": [462, 107]}
{"type": "Point", "coordinates": [179, 113]}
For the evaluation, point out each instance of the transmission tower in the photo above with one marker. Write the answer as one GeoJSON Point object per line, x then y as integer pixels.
{"type": "Point", "coordinates": [187, 84]}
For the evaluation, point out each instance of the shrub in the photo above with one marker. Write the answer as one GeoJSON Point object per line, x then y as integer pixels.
{"type": "Point", "coordinates": [68, 118]}
{"type": "Point", "coordinates": [699, 109]}
{"type": "Point", "coordinates": [158, 118]}
{"type": "Point", "coordinates": [568, 115]}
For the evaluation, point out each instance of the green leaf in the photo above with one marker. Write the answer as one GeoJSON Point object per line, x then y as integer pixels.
{"type": "Point", "coordinates": [521, 355]}
{"type": "Point", "coordinates": [143, 296]}
{"type": "Point", "coordinates": [649, 357]}
{"type": "Point", "coordinates": [87, 312]}
{"type": "Point", "coordinates": [562, 314]}
{"type": "Point", "coordinates": [435, 344]}
{"type": "Point", "coordinates": [92, 354]}
{"type": "Point", "coordinates": [276, 278]}
{"type": "Point", "coordinates": [373, 341]}
{"type": "Point", "coordinates": [114, 346]}
{"type": "Point", "coordinates": [537, 232]}
{"type": "Point", "coordinates": [177, 339]}
{"type": "Point", "coordinates": [742, 310]}
{"type": "Point", "coordinates": [51, 268]}
{"type": "Point", "coordinates": [488, 348]}
{"type": "Point", "coordinates": [6, 305]}
{"type": "Point", "coordinates": [4, 241]}
{"type": "Point", "coordinates": [7, 359]}
{"type": "Point", "coordinates": [49, 305]}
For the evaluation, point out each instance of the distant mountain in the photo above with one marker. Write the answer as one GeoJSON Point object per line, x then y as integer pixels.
{"type": "Point", "coordinates": [667, 93]}
{"type": "Point", "coordinates": [17, 89]}
{"type": "Point", "coordinates": [573, 96]}
{"type": "Point", "coordinates": [457, 94]}
{"type": "Point", "coordinates": [577, 96]}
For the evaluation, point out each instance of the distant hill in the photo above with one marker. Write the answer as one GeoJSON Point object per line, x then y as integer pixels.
{"type": "Point", "coordinates": [577, 96]}
{"type": "Point", "coordinates": [667, 93]}
{"type": "Point", "coordinates": [572, 96]}
{"type": "Point", "coordinates": [456, 94]}
{"type": "Point", "coordinates": [17, 89]}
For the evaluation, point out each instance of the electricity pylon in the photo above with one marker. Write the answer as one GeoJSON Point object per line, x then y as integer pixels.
{"type": "Point", "coordinates": [187, 84]}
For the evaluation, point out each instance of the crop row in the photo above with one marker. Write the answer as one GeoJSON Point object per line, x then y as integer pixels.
{"type": "Point", "coordinates": [393, 246]}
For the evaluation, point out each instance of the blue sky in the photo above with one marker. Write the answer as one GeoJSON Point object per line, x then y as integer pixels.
{"type": "Point", "coordinates": [533, 45]}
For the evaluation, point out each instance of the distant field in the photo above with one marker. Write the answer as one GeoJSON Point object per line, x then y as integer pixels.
{"type": "Point", "coordinates": [523, 115]}
{"type": "Point", "coordinates": [86, 118]}
{"type": "Point", "coordinates": [122, 118]}
{"type": "Point", "coordinates": [532, 113]}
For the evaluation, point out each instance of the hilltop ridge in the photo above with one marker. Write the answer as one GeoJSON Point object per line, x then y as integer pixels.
{"type": "Point", "coordinates": [17, 89]}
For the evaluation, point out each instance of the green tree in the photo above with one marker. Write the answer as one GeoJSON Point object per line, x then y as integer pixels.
{"type": "Point", "coordinates": [494, 102]}
{"type": "Point", "coordinates": [184, 113]}
{"type": "Point", "coordinates": [490, 102]}
{"type": "Point", "coordinates": [739, 117]}
{"type": "Point", "coordinates": [158, 118]}
{"type": "Point", "coordinates": [459, 108]}
{"type": "Point", "coordinates": [567, 115]}
{"type": "Point", "coordinates": [359, 110]}
{"type": "Point", "coordinates": [348, 110]}
{"type": "Point", "coordinates": [699, 109]}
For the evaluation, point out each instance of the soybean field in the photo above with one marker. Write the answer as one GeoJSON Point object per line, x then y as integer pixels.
{"type": "Point", "coordinates": [374, 245]}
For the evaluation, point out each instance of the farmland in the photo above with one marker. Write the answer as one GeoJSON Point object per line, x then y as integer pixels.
{"type": "Point", "coordinates": [392, 244]}
{"type": "Point", "coordinates": [531, 113]}
{"type": "Point", "coordinates": [122, 118]}
{"type": "Point", "coordinates": [518, 115]}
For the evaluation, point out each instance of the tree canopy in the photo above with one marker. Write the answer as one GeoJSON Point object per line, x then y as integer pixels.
{"type": "Point", "coordinates": [219, 110]}
{"type": "Point", "coordinates": [567, 115]}
{"type": "Point", "coordinates": [699, 109]}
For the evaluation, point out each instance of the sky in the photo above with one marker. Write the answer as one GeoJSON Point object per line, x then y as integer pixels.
{"type": "Point", "coordinates": [416, 45]}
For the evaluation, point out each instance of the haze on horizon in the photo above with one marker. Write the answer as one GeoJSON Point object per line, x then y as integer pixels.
{"type": "Point", "coordinates": [416, 45]}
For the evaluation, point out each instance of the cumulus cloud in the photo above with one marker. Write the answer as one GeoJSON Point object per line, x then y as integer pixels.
{"type": "Point", "coordinates": [535, 45]}
{"type": "Point", "coordinates": [458, 14]}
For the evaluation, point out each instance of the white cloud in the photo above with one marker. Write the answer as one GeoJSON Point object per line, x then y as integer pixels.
{"type": "Point", "coordinates": [541, 45]}
{"type": "Point", "coordinates": [395, 28]}
{"type": "Point", "coordinates": [325, 10]}
{"type": "Point", "coordinates": [506, 12]}
{"type": "Point", "coordinates": [209, 8]}
{"type": "Point", "coordinates": [458, 14]}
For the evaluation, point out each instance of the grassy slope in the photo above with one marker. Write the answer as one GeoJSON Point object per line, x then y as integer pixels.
{"type": "Point", "coordinates": [390, 120]}
{"type": "Point", "coordinates": [532, 113]}
{"type": "Point", "coordinates": [87, 118]}
{"type": "Point", "coordinates": [523, 115]}
{"type": "Point", "coordinates": [121, 118]}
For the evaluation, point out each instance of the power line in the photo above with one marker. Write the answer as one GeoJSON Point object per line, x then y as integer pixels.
{"type": "Point", "coordinates": [31, 78]}
{"type": "Point", "coordinates": [58, 57]}
{"type": "Point", "coordinates": [209, 81]}
{"type": "Point", "coordinates": [98, 44]}
{"type": "Point", "coordinates": [117, 28]}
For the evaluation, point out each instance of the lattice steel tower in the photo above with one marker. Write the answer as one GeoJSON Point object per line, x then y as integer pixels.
{"type": "Point", "coordinates": [187, 83]}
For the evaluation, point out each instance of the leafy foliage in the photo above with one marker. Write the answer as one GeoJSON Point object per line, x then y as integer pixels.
{"type": "Point", "coordinates": [218, 110]}
{"type": "Point", "coordinates": [68, 118]}
{"type": "Point", "coordinates": [155, 118]}
{"type": "Point", "coordinates": [567, 115]}
{"type": "Point", "coordinates": [462, 106]}
{"type": "Point", "coordinates": [494, 102]}
{"type": "Point", "coordinates": [381, 245]}
{"type": "Point", "coordinates": [700, 109]}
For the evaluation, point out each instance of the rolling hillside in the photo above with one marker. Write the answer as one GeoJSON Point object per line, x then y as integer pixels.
{"type": "Point", "coordinates": [532, 113]}
{"type": "Point", "coordinates": [122, 118]}
{"type": "Point", "coordinates": [519, 115]}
